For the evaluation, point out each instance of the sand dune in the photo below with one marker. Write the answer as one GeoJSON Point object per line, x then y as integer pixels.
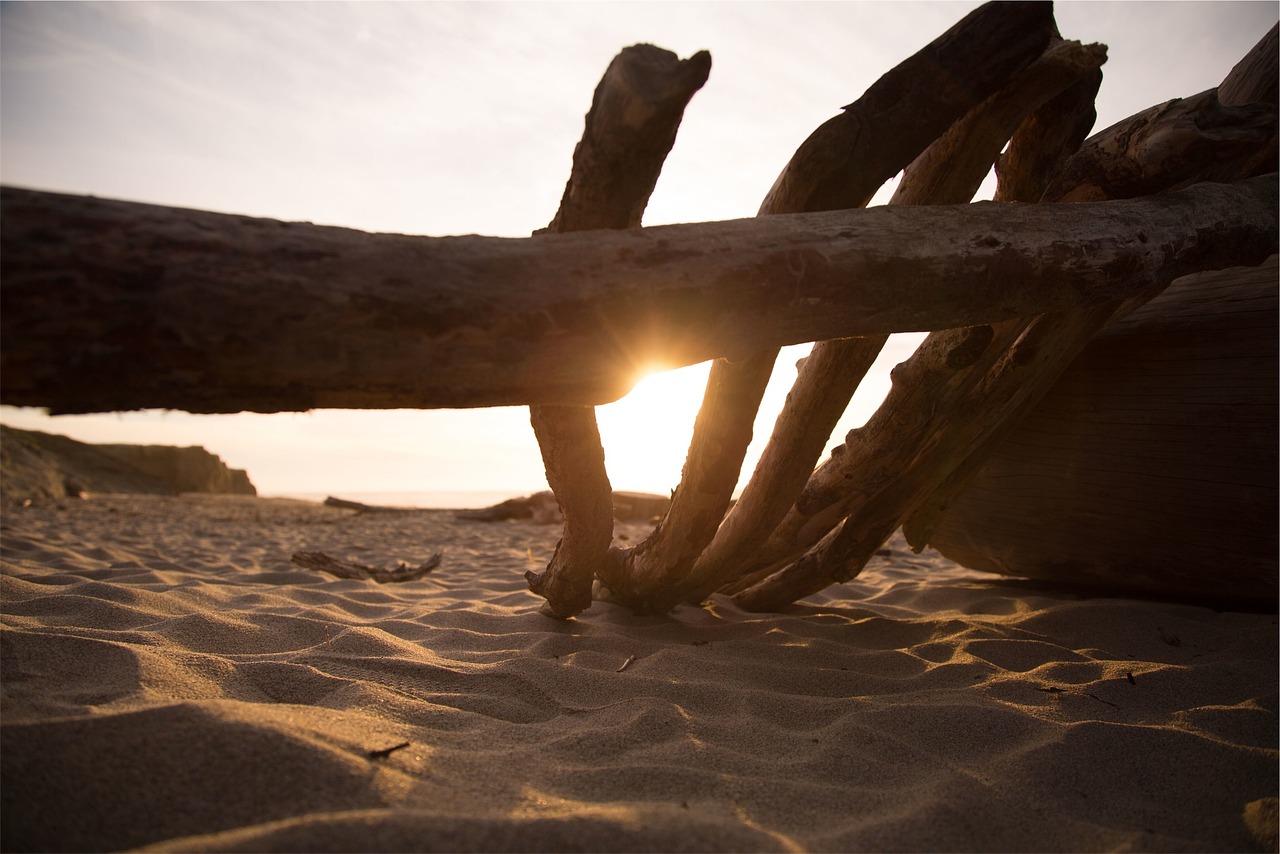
{"type": "Point", "coordinates": [172, 682]}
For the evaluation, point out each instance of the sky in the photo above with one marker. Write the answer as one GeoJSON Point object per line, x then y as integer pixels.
{"type": "Point", "coordinates": [461, 118]}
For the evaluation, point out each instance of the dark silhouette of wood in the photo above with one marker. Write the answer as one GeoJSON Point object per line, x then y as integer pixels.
{"type": "Point", "coordinates": [630, 128]}
{"type": "Point", "coordinates": [112, 305]}
{"type": "Point", "coordinates": [881, 477]}
{"type": "Point", "coordinates": [949, 171]}
{"type": "Point", "coordinates": [1158, 479]}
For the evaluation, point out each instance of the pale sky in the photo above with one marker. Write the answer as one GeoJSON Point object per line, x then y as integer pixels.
{"type": "Point", "coordinates": [455, 118]}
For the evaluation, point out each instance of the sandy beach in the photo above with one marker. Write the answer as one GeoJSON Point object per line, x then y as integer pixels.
{"type": "Point", "coordinates": [171, 682]}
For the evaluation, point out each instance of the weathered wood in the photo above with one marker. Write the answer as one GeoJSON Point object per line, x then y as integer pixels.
{"type": "Point", "coordinates": [826, 380]}
{"type": "Point", "coordinates": [839, 166]}
{"type": "Point", "coordinates": [949, 171]}
{"type": "Point", "coordinates": [632, 124]}
{"type": "Point", "coordinates": [1045, 139]}
{"type": "Point", "coordinates": [1166, 147]}
{"type": "Point", "coordinates": [1150, 467]}
{"type": "Point", "coordinates": [964, 438]}
{"type": "Point", "coordinates": [653, 575]}
{"type": "Point", "coordinates": [111, 305]}
{"type": "Point", "coordinates": [1250, 76]}
{"type": "Point", "coordinates": [848, 158]}
{"type": "Point", "coordinates": [1164, 405]}
{"type": "Point", "coordinates": [916, 465]}
{"type": "Point", "coordinates": [321, 562]}
{"type": "Point", "coordinates": [574, 458]}
{"type": "Point", "coordinates": [1256, 78]}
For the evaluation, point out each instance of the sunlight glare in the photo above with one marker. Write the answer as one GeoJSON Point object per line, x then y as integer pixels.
{"type": "Point", "coordinates": [646, 434]}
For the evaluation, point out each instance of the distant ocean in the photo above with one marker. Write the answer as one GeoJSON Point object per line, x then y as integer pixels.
{"type": "Point", "coordinates": [424, 500]}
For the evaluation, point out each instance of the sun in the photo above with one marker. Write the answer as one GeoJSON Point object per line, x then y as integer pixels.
{"type": "Point", "coordinates": [646, 434]}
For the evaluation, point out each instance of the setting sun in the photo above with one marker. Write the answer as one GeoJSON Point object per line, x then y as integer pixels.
{"type": "Point", "coordinates": [646, 433]}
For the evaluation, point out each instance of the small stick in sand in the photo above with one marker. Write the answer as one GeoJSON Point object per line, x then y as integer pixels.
{"type": "Point", "coordinates": [627, 663]}
{"type": "Point", "coordinates": [387, 751]}
{"type": "Point", "coordinates": [321, 562]}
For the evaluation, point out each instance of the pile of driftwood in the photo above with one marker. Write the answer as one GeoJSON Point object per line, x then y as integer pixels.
{"type": "Point", "coordinates": [1002, 75]}
{"type": "Point", "coordinates": [231, 313]}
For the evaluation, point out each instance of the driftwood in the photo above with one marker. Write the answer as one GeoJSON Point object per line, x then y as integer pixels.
{"type": "Point", "coordinates": [321, 562]}
{"type": "Point", "coordinates": [880, 478]}
{"type": "Point", "coordinates": [948, 171]}
{"type": "Point", "coordinates": [1252, 77]}
{"type": "Point", "coordinates": [631, 127]}
{"type": "Point", "coordinates": [839, 166]}
{"type": "Point", "coordinates": [112, 305]}
{"type": "Point", "coordinates": [1158, 479]}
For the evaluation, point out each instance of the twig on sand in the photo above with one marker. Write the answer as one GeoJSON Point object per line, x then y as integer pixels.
{"type": "Point", "coordinates": [387, 751]}
{"type": "Point", "coordinates": [321, 562]}
{"type": "Point", "coordinates": [627, 663]}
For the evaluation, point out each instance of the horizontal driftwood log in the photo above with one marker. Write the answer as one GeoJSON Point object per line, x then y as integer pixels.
{"type": "Point", "coordinates": [113, 305]}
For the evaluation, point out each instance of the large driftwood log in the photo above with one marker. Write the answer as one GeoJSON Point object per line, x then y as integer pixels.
{"type": "Point", "coordinates": [949, 171]}
{"type": "Point", "coordinates": [632, 124]}
{"type": "Point", "coordinates": [1150, 467]}
{"type": "Point", "coordinates": [839, 166]}
{"type": "Point", "coordinates": [111, 305]}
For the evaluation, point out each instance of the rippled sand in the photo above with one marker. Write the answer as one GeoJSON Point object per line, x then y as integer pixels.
{"type": "Point", "coordinates": [171, 681]}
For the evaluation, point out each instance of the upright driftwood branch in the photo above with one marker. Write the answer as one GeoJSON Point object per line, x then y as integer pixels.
{"type": "Point", "coordinates": [949, 171]}
{"type": "Point", "coordinates": [840, 165]}
{"type": "Point", "coordinates": [632, 124]}
{"type": "Point", "coordinates": [111, 305]}
{"type": "Point", "coordinates": [965, 432]}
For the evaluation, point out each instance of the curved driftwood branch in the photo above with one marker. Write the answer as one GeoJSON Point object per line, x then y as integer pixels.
{"type": "Point", "coordinates": [951, 170]}
{"type": "Point", "coordinates": [111, 305]}
{"type": "Point", "coordinates": [632, 124]}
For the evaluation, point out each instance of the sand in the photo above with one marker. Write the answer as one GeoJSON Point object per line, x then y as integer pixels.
{"type": "Point", "coordinates": [172, 683]}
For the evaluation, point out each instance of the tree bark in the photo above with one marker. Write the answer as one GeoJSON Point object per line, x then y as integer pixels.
{"type": "Point", "coordinates": [110, 305]}
{"type": "Point", "coordinates": [632, 124]}
{"type": "Point", "coordinates": [840, 165]}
